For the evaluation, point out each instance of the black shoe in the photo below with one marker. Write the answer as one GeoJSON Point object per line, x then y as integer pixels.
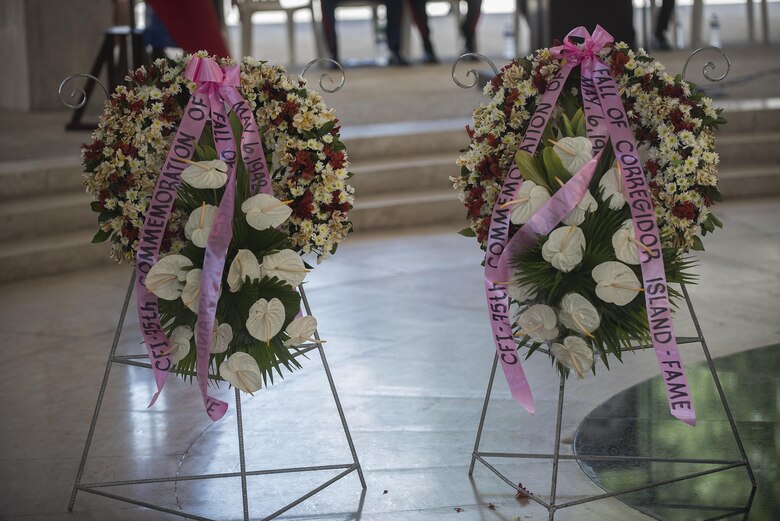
{"type": "Point", "coordinates": [661, 43]}
{"type": "Point", "coordinates": [430, 58]}
{"type": "Point", "coordinates": [396, 60]}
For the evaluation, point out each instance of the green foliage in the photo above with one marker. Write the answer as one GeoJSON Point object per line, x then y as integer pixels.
{"type": "Point", "coordinates": [531, 169]}
{"type": "Point", "coordinates": [556, 172]}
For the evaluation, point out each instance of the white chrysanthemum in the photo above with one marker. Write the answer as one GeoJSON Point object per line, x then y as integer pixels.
{"type": "Point", "coordinates": [538, 322]}
{"type": "Point", "coordinates": [574, 152]}
{"type": "Point", "coordinates": [265, 319]}
{"type": "Point", "coordinates": [199, 224]}
{"type": "Point", "coordinates": [576, 217]}
{"type": "Point", "coordinates": [301, 330]}
{"type": "Point", "coordinates": [180, 343]}
{"type": "Point", "coordinates": [286, 265]}
{"type": "Point", "coordinates": [611, 185]}
{"type": "Point", "coordinates": [530, 198]}
{"type": "Point", "coordinates": [206, 174]}
{"type": "Point", "coordinates": [578, 314]}
{"type": "Point", "coordinates": [221, 338]}
{"type": "Point", "coordinates": [625, 244]}
{"type": "Point", "coordinates": [563, 248]}
{"type": "Point", "coordinates": [242, 372]}
{"type": "Point", "coordinates": [166, 278]}
{"type": "Point", "coordinates": [244, 265]}
{"type": "Point", "coordinates": [616, 283]}
{"type": "Point", "coordinates": [573, 353]}
{"type": "Point", "coordinates": [265, 211]}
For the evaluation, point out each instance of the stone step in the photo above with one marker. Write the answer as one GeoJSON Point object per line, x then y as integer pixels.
{"type": "Point", "coordinates": [403, 210]}
{"type": "Point", "coordinates": [741, 150]}
{"type": "Point", "coordinates": [34, 177]}
{"type": "Point", "coordinates": [750, 116]}
{"type": "Point", "coordinates": [406, 174]}
{"type": "Point", "coordinates": [399, 140]}
{"type": "Point", "coordinates": [748, 182]}
{"type": "Point", "coordinates": [44, 216]}
{"type": "Point", "coordinates": [51, 255]}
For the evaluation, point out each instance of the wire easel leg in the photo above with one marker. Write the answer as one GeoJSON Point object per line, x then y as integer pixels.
{"type": "Point", "coordinates": [335, 393]}
{"type": "Point", "coordinates": [484, 413]}
{"type": "Point", "coordinates": [102, 392]}
{"type": "Point", "coordinates": [556, 449]}
{"type": "Point", "coordinates": [241, 455]}
{"type": "Point", "coordinates": [718, 386]}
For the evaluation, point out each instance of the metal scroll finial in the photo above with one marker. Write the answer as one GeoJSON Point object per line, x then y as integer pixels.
{"type": "Point", "coordinates": [77, 93]}
{"type": "Point", "coordinates": [333, 64]}
{"type": "Point", "coordinates": [708, 65]}
{"type": "Point", "coordinates": [471, 72]}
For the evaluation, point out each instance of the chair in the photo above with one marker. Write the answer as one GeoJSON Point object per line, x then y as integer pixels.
{"type": "Point", "coordinates": [247, 8]}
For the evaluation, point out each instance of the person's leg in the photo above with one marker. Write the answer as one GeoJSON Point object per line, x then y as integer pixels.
{"type": "Point", "coordinates": [420, 17]}
{"type": "Point", "coordinates": [470, 24]}
{"type": "Point", "coordinates": [394, 15]}
{"type": "Point", "coordinates": [664, 15]}
{"type": "Point", "coordinates": [329, 27]}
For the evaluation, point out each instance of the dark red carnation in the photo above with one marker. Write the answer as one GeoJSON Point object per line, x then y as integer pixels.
{"type": "Point", "coordinates": [686, 210]}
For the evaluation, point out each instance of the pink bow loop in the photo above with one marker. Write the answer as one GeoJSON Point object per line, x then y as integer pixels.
{"type": "Point", "coordinates": [582, 52]}
{"type": "Point", "coordinates": [205, 70]}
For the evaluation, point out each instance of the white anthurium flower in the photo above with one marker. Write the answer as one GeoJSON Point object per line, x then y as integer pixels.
{"type": "Point", "coordinates": [616, 283]}
{"type": "Point", "coordinates": [180, 343]}
{"type": "Point", "coordinates": [611, 184]}
{"type": "Point", "coordinates": [520, 292]}
{"type": "Point", "coordinates": [265, 211]}
{"type": "Point", "coordinates": [286, 265]}
{"type": "Point", "coordinates": [221, 338]}
{"type": "Point", "coordinates": [242, 372]}
{"type": "Point", "coordinates": [190, 295]}
{"type": "Point", "coordinates": [574, 353]}
{"type": "Point", "coordinates": [574, 152]}
{"type": "Point", "coordinates": [578, 314]}
{"type": "Point", "coordinates": [530, 198]}
{"type": "Point", "coordinates": [265, 319]}
{"type": "Point", "coordinates": [205, 174]}
{"type": "Point", "coordinates": [625, 244]}
{"type": "Point", "coordinates": [166, 278]}
{"type": "Point", "coordinates": [301, 330]}
{"type": "Point", "coordinates": [563, 248]}
{"type": "Point", "coordinates": [538, 322]}
{"type": "Point", "coordinates": [199, 224]}
{"type": "Point", "coordinates": [576, 217]}
{"type": "Point", "coordinates": [244, 265]}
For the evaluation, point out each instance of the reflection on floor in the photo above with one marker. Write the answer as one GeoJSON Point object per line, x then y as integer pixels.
{"type": "Point", "coordinates": [635, 423]}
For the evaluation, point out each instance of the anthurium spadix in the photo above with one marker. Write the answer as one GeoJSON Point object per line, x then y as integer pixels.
{"type": "Point", "coordinates": [265, 320]}
{"type": "Point", "coordinates": [573, 353]}
{"type": "Point", "coordinates": [538, 322]}
{"type": "Point", "coordinates": [301, 330]}
{"type": "Point", "coordinates": [166, 278]}
{"type": "Point", "coordinates": [199, 224]}
{"type": "Point", "coordinates": [180, 343]}
{"type": "Point", "coordinates": [563, 248]}
{"type": "Point", "coordinates": [574, 152]}
{"type": "Point", "coordinates": [242, 372]}
{"type": "Point", "coordinates": [578, 314]}
{"type": "Point", "coordinates": [616, 283]}
{"type": "Point", "coordinates": [530, 198]}
{"type": "Point", "coordinates": [611, 185]}
{"type": "Point", "coordinates": [286, 265]}
{"type": "Point", "coordinates": [265, 211]}
{"type": "Point", "coordinates": [244, 265]}
{"type": "Point", "coordinates": [221, 337]}
{"type": "Point", "coordinates": [205, 174]}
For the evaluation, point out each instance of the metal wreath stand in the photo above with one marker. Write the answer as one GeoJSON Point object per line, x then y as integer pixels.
{"type": "Point", "coordinates": [551, 504]}
{"type": "Point", "coordinates": [141, 360]}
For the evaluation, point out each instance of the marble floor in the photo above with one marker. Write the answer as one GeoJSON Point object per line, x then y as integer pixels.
{"type": "Point", "coordinates": [409, 348]}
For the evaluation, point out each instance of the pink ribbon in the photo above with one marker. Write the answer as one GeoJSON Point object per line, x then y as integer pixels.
{"type": "Point", "coordinates": [215, 86]}
{"type": "Point", "coordinates": [605, 118]}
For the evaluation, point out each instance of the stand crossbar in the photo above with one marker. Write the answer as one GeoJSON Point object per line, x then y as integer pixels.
{"type": "Point", "coordinates": [551, 506]}
{"type": "Point", "coordinates": [133, 360]}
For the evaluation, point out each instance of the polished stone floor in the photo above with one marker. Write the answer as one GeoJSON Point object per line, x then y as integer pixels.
{"type": "Point", "coordinates": [410, 350]}
{"type": "Point", "coordinates": [634, 423]}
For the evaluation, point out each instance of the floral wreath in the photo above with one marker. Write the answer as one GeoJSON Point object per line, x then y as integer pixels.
{"type": "Point", "coordinates": [307, 160]}
{"type": "Point", "coordinates": [673, 124]}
